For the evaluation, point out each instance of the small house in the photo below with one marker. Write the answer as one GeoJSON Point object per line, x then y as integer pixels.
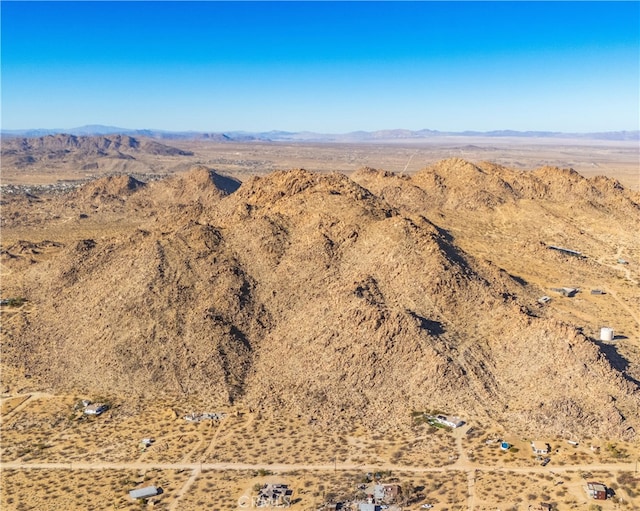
{"type": "Point", "coordinates": [597, 491]}
{"type": "Point", "coordinates": [452, 422]}
{"type": "Point", "coordinates": [96, 409]}
{"type": "Point", "coordinates": [391, 492]}
{"type": "Point", "coordinates": [145, 493]}
{"type": "Point", "coordinates": [540, 447]}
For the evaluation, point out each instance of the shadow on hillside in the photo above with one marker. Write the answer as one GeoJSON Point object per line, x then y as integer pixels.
{"type": "Point", "coordinates": [452, 252]}
{"type": "Point", "coordinates": [433, 327]}
{"type": "Point", "coordinates": [519, 280]}
{"type": "Point", "coordinates": [616, 360]}
{"type": "Point", "coordinates": [226, 184]}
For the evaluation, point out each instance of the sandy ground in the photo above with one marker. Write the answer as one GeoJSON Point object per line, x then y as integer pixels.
{"type": "Point", "coordinates": [55, 459]}
{"type": "Point", "coordinates": [589, 157]}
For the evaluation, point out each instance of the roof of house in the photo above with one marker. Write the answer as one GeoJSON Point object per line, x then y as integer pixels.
{"type": "Point", "coordinates": [143, 493]}
{"type": "Point", "coordinates": [596, 486]}
{"type": "Point", "coordinates": [457, 421]}
{"type": "Point", "coordinates": [540, 446]}
{"type": "Point", "coordinates": [95, 408]}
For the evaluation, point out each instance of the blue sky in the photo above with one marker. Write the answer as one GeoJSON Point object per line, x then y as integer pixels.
{"type": "Point", "coordinates": [328, 66]}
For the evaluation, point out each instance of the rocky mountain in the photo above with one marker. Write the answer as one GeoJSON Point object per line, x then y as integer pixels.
{"type": "Point", "coordinates": [342, 299]}
{"type": "Point", "coordinates": [86, 149]}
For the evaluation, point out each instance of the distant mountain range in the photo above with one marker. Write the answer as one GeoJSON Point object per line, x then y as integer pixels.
{"type": "Point", "coordinates": [307, 136]}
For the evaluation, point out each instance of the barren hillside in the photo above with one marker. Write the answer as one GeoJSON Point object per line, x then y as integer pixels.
{"type": "Point", "coordinates": [110, 153]}
{"type": "Point", "coordinates": [340, 299]}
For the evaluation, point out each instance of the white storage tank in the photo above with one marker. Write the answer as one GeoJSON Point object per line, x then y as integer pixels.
{"type": "Point", "coordinates": [606, 334]}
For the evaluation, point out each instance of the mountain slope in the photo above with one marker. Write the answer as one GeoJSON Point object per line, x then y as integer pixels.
{"type": "Point", "coordinates": [22, 152]}
{"type": "Point", "coordinates": [319, 296]}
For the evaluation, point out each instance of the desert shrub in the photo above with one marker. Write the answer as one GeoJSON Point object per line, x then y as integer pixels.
{"type": "Point", "coordinates": [15, 302]}
{"type": "Point", "coordinates": [614, 451]}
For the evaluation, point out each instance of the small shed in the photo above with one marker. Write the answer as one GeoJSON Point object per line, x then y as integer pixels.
{"type": "Point", "coordinates": [597, 491]}
{"type": "Point", "coordinates": [145, 493]}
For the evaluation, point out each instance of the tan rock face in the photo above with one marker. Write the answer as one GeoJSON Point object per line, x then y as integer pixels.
{"type": "Point", "coordinates": [337, 298]}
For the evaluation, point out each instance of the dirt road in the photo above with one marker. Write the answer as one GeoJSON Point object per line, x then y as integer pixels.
{"type": "Point", "coordinates": [289, 467]}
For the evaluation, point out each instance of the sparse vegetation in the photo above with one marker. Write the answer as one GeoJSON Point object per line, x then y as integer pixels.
{"type": "Point", "coordinates": [131, 271]}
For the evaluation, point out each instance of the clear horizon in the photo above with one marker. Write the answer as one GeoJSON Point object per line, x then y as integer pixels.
{"type": "Point", "coordinates": [327, 67]}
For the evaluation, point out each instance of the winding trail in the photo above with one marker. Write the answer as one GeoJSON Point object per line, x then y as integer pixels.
{"type": "Point", "coordinates": [185, 488]}
{"type": "Point", "coordinates": [197, 471]}
{"type": "Point", "coordinates": [32, 396]}
{"type": "Point", "coordinates": [622, 304]}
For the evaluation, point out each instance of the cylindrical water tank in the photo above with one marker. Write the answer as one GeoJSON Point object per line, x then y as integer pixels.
{"type": "Point", "coordinates": [606, 334]}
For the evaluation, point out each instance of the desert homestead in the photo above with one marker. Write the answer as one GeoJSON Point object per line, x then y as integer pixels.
{"type": "Point", "coordinates": [452, 422]}
{"type": "Point", "coordinates": [569, 292]}
{"type": "Point", "coordinates": [540, 447]}
{"type": "Point", "coordinates": [145, 493]}
{"type": "Point", "coordinates": [96, 409]}
{"type": "Point", "coordinates": [597, 491]}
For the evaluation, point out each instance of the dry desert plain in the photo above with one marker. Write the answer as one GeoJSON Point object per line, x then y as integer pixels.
{"type": "Point", "coordinates": [54, 458]}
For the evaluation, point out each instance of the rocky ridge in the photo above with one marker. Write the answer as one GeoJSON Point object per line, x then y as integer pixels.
{"type": "Point", "coordinates": [333, 297]}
